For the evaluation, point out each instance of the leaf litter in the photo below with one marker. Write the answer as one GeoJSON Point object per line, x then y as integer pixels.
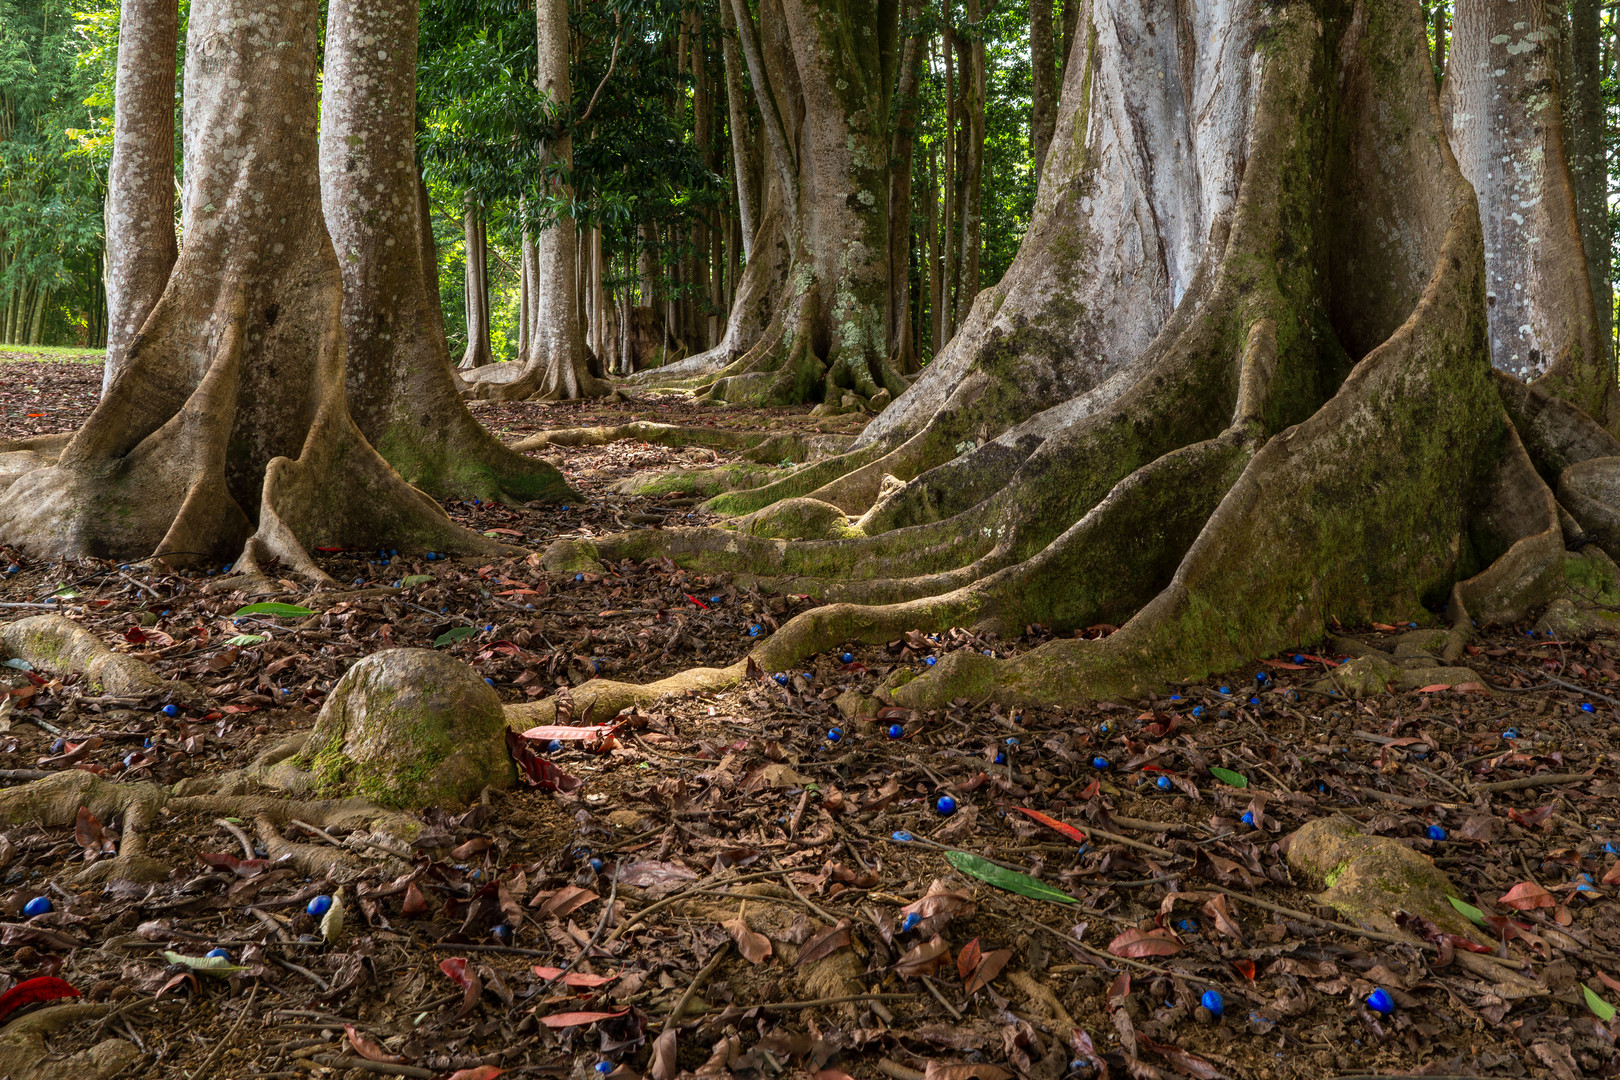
{"type": "Point", "coordinates": [801, 901]}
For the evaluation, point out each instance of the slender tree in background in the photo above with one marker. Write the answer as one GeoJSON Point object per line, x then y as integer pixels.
{"type": "Point", "coordinates": [1585, 119]}
{"type": "Point", "coordinates": [1043, 79]}
{"type": "Point", "coordinates": [228, 433]}
{"type": "Point", "coordinates": [555, 366]}
{"type": "Point", "coordinates": [141, 246]}
{"type": "Point", "coordinates": [476, 251]}
{"type": "Point", "coordinates": [401, 391]}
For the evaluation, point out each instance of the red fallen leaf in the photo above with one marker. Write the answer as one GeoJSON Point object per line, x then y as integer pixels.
{"type": "Point", "coordinates": [564, 901]}
{"type": "Point", "coordinates": [87, 831]}
{"type": "Point", "coordinates": [472, 987]}
{"type": "Point", "coordinates": [696, 601]}
{"type": "Point", "coordinates": [825, 943]}
{"type": "Point", "coordinates": [415, 903]}
{"type": "Point", "coordinates": [1386, 627]}
{"type": "Point", "coordinates": [1135, 944]}
{"type": "Point", "coordinates": [477, 1072]}
{"type": "Point", "coordinates": [1527, 896]}
{"type": "Point", "coordinates": [573, 978]}
{"type": "Point", "coordinates": [1612, 877]}
{"type": "Point", "coordinates": [1434, 688]}
{"type": "Point", "coordinates": [476, 846]}
{"type": "Point", "coordinates": [1080, 1040]}
{"type": "Point", "coordinates": [1609, 981]}
{"type": "Point", "coordinates": [505, 532]}
{"type": "Point", "coordinates": [1245, 967]}
{"type": "Point", "coordinates": [1054, 824]}
{"type": "Point", "coordinates": [924, 958]}
{"type": "Point", "coordinates": [1191, 1064]}
{"type": "Point", "coordinates": [44, 988]}
{"type": "Point", "coordinates": [938, 907]}
{"type": "Point", "coordinates": [240, 867]}
{"type": "Point", "coordinates": [988, 969]}
{"type": "Point", "coordinates": [1091, 790]}
{"type": "Point", "coordinates": [755, 947]}
{"type": "Point", "coordinates": [535, 770]}
{"type": "Point", "coordinates": [1119, 989]}
{"type": "Point", "coordinates": [565, 733]}
{"type": "Point", "coordinates": [241, 708]}
{"type": "Point", "coordinates": [579, 1019]}
{"type": "Point", "coordinates": [968, 959]}
{"type": "Point", "coordinates": [1286, 665]}
{"type": "Point", "coordinates": [370, 1050]}
{"type": "Point", "coordinates": [135, 636]}
{"type": "Point", "coordinates": [1320, 660]}
{"type": "Point", "coordinates": [1533, 819]}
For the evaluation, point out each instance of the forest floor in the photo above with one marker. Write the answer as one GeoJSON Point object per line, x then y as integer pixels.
{"type": "Point", "coordinates": [755, 857]}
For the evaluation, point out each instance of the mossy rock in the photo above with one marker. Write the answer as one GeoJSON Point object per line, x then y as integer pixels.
{"type": "Point", "coordinates": [409, 728]}
{"type": "Point", "coordinates": [799, 519]}
{"type": "Point", "coordinates": [1363, 677]}
{"type": "Point", "coordinates": [1369, 879]}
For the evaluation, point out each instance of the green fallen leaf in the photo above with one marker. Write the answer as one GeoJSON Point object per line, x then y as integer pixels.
{"type": "Point", "coordinates": [1002, 878]}
{"type": "Point", "coordinates": [450, 637]}
{"type": "Point", "coordinates": [218, 966]}
{"type": "Point", "coordinates": [66, 593]}
{"type": "Point", "coordinates": [271, 609]}
{"type": "Point", "coordinates": [245, 640]}
{"type": "Point", "coordinates": [1468, 910]}
{"type": "Point", "coordinates": [415, 579]}
{"type": "Point", "coordinates": [1227, 776]}
{"type": "Point", "coordinates": [1600, 1008]}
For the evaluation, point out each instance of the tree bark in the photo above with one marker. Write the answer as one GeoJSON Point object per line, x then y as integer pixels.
{"type": "Point", "coordinates": [229, 430]}
{"type": "Point", "coordinates": [556, 367]}
{"type": "Point", "coordinates": [902, 347]}
{"type": "Point", "coordinates": [1502, 105]}
{"type": "Point", "coordinates": [475, 295]}
{"type": "Point", "coordinates": [1043, 84]}
{"type": "Point", "coordinates": [140, 245]}
{"type": "Point", "coordinates": [1585, 120]}
{"type": "Point", "coordinates": [401, 390]}
{"type": "Point", "coordinates": [971, 181]}
{"type": "Point", "coordinates": [743, 157]}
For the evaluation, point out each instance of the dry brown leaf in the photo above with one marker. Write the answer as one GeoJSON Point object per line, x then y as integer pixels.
{"type": "Point", "coordinates": [924, 958]}
{"type": "Point", "coordinates": [755, 947]}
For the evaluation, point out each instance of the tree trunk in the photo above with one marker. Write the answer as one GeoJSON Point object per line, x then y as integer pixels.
{"type": "Point", "coordinates": [476, 293]}
{"type": "Point", "coordinates": [140, 180]}
{"type": "Point", "coordinates": [973, 91]}
{"type": "Point", "coordinates": [401, 390]}
{"type": "Point", "coordinates": [820, 74]}
{"type": "Point", "coordinates": [1502, 106]}
{"type": "Point", "coordinates": [524, 287]}
{"type": "Point", "coordinates": [555, 367]}
{"type": "Point", "coordinates": [1442, 34]}
{"type": "Point", "coordinates": [1585, 118]}
{"type": "Point", "coordinates": [429, 265]}
{"type": "Point", "coordinates": [936, 314]}
{"type": "Point", "coordinates": [1043, 84]}
{"type": "Point", "coordinates": [229, 429]}
{"type": "Point", "coordinates": [743, 157]}
{"type": "Point", "coordinates": [902, 349]}
{"type": "Point", "coordinates": [950, 262]}
{"type": "Point", "coordinates": [1233, 387]}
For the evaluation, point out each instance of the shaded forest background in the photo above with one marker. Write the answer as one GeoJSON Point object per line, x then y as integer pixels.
{"type": "Point", "coordinates": [655, 175]}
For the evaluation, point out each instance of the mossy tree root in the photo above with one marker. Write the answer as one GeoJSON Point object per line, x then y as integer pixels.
{"type": "Point", "coordinates": [58, 644]}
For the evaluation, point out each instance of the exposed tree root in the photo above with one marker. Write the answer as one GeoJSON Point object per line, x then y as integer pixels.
{"type": "Point", "coordinates": [58, 644]}
{"type": "Point", "coordinates": [23, 1051]}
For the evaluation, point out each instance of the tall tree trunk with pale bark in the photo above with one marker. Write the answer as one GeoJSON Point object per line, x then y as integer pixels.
{"type": "Point", "coordinates": [141, 247]}
{"type": "Point", "coordinates": [556, 367]}
{"type": "Point", "coordinates": [228, 436]}
{"type": "Point", "coordinates": [401, 390]}
{"type": "Point", "coordinates": [475, 294]}
{"type": "Point", "coordinates": [1043, 81]}
{"type": "Point", "coordinates": [1585, 120]}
